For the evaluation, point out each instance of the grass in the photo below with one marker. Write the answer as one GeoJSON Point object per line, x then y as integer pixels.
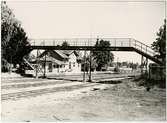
{"type": "Point", "coordinates": [143, 80]}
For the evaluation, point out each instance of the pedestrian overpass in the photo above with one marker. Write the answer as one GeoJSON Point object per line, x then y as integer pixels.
{"type": "Point", "coordinates": [116, 44]}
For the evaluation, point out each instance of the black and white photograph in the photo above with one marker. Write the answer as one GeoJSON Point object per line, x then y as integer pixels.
{"type": "Point", "coordinates": [83, 61]}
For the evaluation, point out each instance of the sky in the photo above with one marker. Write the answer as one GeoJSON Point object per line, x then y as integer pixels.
{"type": "Point", "coordinates": [50, 19]}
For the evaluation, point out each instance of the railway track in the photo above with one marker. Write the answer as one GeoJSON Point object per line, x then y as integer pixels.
{"type": "Point", "coordinates": [32, 84]}
{"type": "Point", "coordinates": [33, 93]}
{"type": "Point", "coordinates": [95, 77]}
{"type": "Point", "coordinates": [25, 88]}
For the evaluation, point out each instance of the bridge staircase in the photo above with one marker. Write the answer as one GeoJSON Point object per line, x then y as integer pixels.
{"type": "Point", "coordinates": [35, 67]}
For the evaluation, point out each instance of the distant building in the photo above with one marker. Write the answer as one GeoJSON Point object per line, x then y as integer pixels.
{"type": "Point", "coordinates": [59, 61]}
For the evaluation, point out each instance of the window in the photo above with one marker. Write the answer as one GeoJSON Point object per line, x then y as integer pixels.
{"type": "Point", "coordinates": [74, 64]}
{"type": "Point", "coordinates": [50, 67]}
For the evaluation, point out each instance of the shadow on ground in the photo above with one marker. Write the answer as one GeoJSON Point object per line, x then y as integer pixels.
{"type": "Point", "coordinates": [110, 82]}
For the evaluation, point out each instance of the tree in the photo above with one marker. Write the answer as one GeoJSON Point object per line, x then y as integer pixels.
{"type": "Point", "coordinates": [65, 44]}
{"type": "Point", "coordinates": [102, 58]}
{"type": "Point", "coordinates": [17, 47]}
{"type": "Point", "coordinates": [159, 45]}
{"type": "Point", "coordinates": [13, 37]}
{"type": "Point", "coordinates": [8, 23]}
{"type": "Point", "coordinates": [92, 62]}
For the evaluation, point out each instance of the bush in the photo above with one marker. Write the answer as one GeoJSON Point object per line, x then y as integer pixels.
{"type": "Point", "coordinates": [5, 66]}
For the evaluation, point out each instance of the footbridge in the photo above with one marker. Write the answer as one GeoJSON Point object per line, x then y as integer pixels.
{"type": "Point", "coordinates": [116, 44]}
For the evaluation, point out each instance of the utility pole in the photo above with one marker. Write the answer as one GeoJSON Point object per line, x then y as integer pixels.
{"type": "Point", "coordinates": [90, 58]}
{"type": "Point", "coordinates": [45, 67]}
{"type": "Point", "coordinates": [117, 61]}
{"type": "Point", "coordinates": [37, 65]}
{"type": "Point", "coordinates": [142, 64]}
{"type": "Point", "coordinates": [84, 75]}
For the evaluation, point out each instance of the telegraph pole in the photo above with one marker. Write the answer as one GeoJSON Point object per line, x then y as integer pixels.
{"type": "Point", "coordinates": [45, 67]}
{"type": "Point", "coordinates": [84, 75]}
{"type": "Point", "coordinates": [90, 75]}
{"type": "Point", "coordinates": [37, 65]}
{"type": "Point", "coordinates": [142, 64]}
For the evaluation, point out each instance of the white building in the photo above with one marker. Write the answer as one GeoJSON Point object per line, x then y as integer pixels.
{"type": "Point", "coordinates": [60, 61]}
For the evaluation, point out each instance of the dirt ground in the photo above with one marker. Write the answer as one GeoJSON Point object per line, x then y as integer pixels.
{"type": "Point", "coordinates": [104, 102]}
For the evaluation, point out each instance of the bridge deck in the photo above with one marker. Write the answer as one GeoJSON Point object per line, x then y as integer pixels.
{"type": "Point", "coordinates": [116, 44]}
{"type": "Point", "coordinates": [90, 48]}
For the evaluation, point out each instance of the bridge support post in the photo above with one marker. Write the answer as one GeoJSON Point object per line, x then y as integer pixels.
{"type": "Point", "coordinates": [45, 67]}
{"type": "Point", "coordinates": [144, 64]}
{"type": "Point", "coordinates": [84, 75]}
{"type": "Point", "coordinates": [141, 65]}
{"type": "Point", "coordinates": [90, 74]}
{"type": "Point", "coordinates": [37, 65]}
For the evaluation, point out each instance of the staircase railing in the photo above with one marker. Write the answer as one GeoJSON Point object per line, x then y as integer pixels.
{"type": "Point", "coordinates": [143, 48]}
{"type": "Point", "coordinates": [29, 64]}
{"type": "Point", "coordinates": [114, 42]}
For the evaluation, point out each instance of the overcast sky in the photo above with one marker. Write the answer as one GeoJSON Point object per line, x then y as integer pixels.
{"type": "Point", "coordinates": [138, 20]}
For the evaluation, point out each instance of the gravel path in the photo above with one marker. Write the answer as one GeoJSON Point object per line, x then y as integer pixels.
{"type": "Point", "coordinates": [78, 101]}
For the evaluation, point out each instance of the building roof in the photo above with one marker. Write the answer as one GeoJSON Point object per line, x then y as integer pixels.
{"type": "Point", "coordinates": [61, 54]}
{"type": "Point", "coordinates": [51, 59]}
{"type": "Point", "coordinates": [67, 52]}
{"type": "Point", "coordinates": [58, 62]}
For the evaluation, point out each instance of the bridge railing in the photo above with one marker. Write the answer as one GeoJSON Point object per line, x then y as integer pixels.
{"type": "Point", "coordinates": [114, 42]}
{"type": "Point", "coordinates": [56, 42]}
{"type": "Point", "coordinates": [142, 47]}
{"type": "Point", "coordinates": [119, 42]}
